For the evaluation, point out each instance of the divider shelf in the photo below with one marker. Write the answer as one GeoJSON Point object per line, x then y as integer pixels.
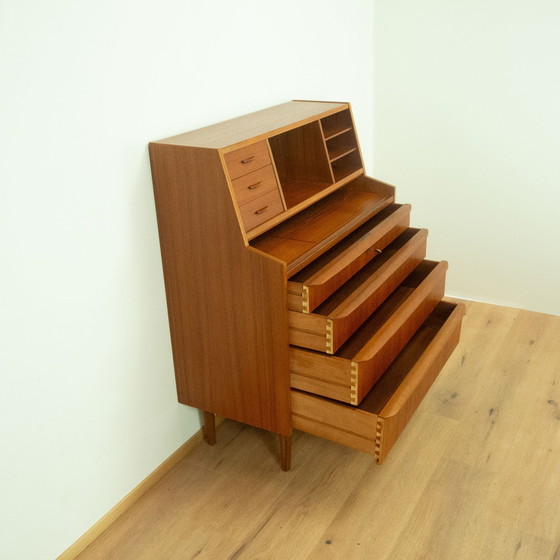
{"type": "Point", "coordinates": [334, 132]}
{"type": "Point", "coordinates": [346, 165]}
{"type": "Point", "coordinates": [336, 124]}
{"type": "Point", "coordinates": [341, 151]}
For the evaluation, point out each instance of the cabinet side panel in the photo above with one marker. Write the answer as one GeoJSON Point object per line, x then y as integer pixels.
{"type": "Point", "coordinates": [226, 302]}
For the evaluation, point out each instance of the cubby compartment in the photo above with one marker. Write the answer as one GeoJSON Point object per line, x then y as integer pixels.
{"type": "Point", "coordinates": [346, 165]}
{"type": "Point", "coordinates": [337, 124]}
{"type": "Point", "coordinates": [311, 162]}
{"type": "Point", "coordinates": [302, 163]}
{"type": "Point", "coordinates": [342, 145]}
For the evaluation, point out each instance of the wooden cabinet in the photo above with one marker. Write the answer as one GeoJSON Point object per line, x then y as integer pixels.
{"type": "Point", "coordinates": [298, 294]}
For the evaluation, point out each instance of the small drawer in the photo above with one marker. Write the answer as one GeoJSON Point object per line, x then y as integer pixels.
{"type": "Point", "coordinates": [317, 281]}
{"type": "Point", "coordinates": [374, 426]}
{"type": "Point", "coordinates": [247, 159]}
{"type": "Point", "coordinates": [348, 375]}
{"type": "Point", "coordinates": [254, 184]}
{"type": "Point", "coordinates": [261, 209]}
{"type": "Point", "coordinates": [330, 324]}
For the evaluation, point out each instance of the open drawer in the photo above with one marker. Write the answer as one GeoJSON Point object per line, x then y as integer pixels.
{"type": "Point", "coordinates": [330, 324]}
{"type": "Point", "coordinates": [374, 426]}
{"type": "Point", "coordinates": [348, 375]}
{"type": "Point", "coordinates": [317, 281]}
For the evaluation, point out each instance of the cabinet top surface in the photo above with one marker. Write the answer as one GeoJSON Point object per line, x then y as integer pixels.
{"type": "Point", "coordinates": [255, 126]}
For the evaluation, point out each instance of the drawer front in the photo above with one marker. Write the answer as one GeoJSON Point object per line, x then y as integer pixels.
{"type": "Point", "coordinates": [261, 209]}
{"type": "Point", "coordinates": [315, 283]}
{"type": "Point", "coordinates": [374, 426]}
{"type": "Point", "coordinates": [254, 184]}
{"type": "Point", "coordinates": [247, 159]}
{"type": "Point", "coordinates": [351, 305]}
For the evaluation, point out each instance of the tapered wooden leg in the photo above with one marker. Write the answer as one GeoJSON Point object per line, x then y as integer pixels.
{"type": "Point", "coordinates": [209, 427]}
{"type": "Point", "coordinates": [285, 452]}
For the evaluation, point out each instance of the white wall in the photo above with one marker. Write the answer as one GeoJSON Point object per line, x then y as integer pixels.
{"type": "Point", "coordinates": [87, 404]}
{"type": "Point", "coordinates": [467, 119]}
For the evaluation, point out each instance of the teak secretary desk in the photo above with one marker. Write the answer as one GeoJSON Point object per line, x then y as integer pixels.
{"type": "Point", "coordinates": [298, 295]}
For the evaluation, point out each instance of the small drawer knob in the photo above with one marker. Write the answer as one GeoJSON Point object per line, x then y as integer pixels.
{"type": "Point", "coordinates": [262, 210]}
{"type": "Point", "coordinates": [248, 160]}
{"type": "Point", "coordinates": [254, 186]}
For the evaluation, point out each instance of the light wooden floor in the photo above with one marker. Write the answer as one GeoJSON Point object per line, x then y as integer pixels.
{"type": "Point", "coordinates": [476, 474]}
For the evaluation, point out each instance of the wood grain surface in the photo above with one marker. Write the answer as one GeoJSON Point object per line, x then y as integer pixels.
{"type": "Point", "coordinates": [304, 237]}
{"type": "Point", "coordinates": [350, 373]}
{"type": "Point", "coordinates": [317, 281]}
{"type": "Point", "coordinates": [239, 131]}
{"type": "Point", "coordinates": [347, 308]}
{"type": "Point", "coordinates": [228, 323]}
{"type": "Point", "coordinates": [375, 424]}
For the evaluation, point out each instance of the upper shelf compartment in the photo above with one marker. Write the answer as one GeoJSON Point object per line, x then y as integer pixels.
{"type": "Point", "coordinates": [303, 159]}
{"type": "Point", "coordinates": [312, 161]}
{"type": "Point", "coordinates": [337, 124]}
{"type": "Point", "coordinates": [342, 144]}
{"type": "Point", "coordinates": [301, 162]}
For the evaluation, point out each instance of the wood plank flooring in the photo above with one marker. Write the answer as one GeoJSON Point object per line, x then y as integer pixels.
{"type": "Point", "coordinates": [475, 475]}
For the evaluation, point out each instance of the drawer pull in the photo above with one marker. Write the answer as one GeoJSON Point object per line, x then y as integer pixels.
{"type": "Point", "coordinates": [248, 160]}
{"type": "Point", "coordinates": [378, 251]}
{"type": "Point", "coordinates": [262, 210]}
{"type": "Point", "coordinates": [255, 186]}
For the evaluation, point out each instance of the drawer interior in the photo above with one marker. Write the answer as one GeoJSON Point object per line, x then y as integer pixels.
{"type": "Point", "coordinates": [358, 342]}
{"type": "Point", "coordinates": [342, 313]}
{"type": "Point", "coordinates": [311, 272]}
{"type": "Point", "coordinates": [355, 285]}
{"type": "Point", "coordinates": [385, 399]}
{"type": "Point", "coordinates": [349, 374]}
{"type": "Point", "coordinates": [375, 424]}
{"type": "Point", "coordinates": [329, 271]}
{"type": "Point", "coordinates": [317, 281]}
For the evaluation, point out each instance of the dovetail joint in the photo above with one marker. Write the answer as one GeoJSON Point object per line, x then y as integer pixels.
{"type": "Point", "coordinates": [329, 336]}
{"type": "Point", "coordinates": [305, 300]}
{"type": "Point", "coordinates": [354, 383]}
{"type": "Point", "coordinates": [378, 440]}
